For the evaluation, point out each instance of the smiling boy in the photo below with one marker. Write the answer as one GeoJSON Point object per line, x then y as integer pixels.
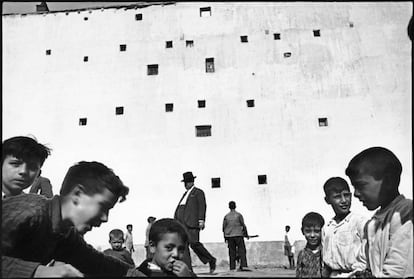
{"type": "Point", "coordinates": [37, 230]}
{"type": "Point", "coordinates": [388, 243]}
{"type": "Point", "coordinates": [309, 262]}
{"type": "Point", "coordinates": [342, 235]}
{"type": "Point", "coordinates": [167, 240]}
{"type": "Point", "coordinates": [22, 159]}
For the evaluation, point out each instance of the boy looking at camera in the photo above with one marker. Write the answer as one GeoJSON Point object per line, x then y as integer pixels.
{"type": "Point", "coordinates": [21, 160]}
{"type": "Point", "coordinates": [37, 231]}
{"type": "Point", "coordinates": [168, 240]}
{"type": "Point", "coordinates": [116, 239]}
{"type": "Point", "coordinates": [388, 243]}
{"type": "Point", "coordinates": [342, 235]}
{"type": "Point", "coordinates": [309, 262]}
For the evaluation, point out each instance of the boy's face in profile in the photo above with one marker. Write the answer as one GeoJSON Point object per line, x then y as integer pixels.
{"type": "Point", "coordinates": [367, 189]}
{"type": "Point", "coordinates": [116, 243]}
{"type": "Point", "coordinates": [18, 174]}
{"type": "Point", "coordinates": [169, 249]}
{"type": "Point", "coordinates": [340, 200]}
{"type": "Point", "coordinates": [92, 210]}
{"type": "Point", "coordinates": [312, 235]}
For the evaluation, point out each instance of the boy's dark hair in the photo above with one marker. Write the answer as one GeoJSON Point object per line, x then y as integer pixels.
{"type": "Point", "coordinates": [312, 219]}
{"type": "Point", "coordinates": [335, 184]}
{"type": "Point", "coordinates": [287, 227]}
{"type": "Point", "coordinates": [129, 226]}
{"type": "Point", "coordinates": [94, 177]}
{"type": "Point", "coordinates": [379, 162]}
{"type": "Point", "coordinates": [24, 148]}
{"type": "Point", "coordinates": [116, 233]}
{"type": "Point", "coordinates": [167, 225]}
{"type": "Point", "coordinates": [150, 219]}
{"type": "Point", "coordinates": [232, 205]}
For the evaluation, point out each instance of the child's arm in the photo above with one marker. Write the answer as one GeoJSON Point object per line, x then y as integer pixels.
{"type": "Point", "coordinates": [299, 265]}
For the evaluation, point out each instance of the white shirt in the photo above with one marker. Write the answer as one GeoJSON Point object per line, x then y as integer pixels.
{"type": "Point", "coordinates": [187, 194]}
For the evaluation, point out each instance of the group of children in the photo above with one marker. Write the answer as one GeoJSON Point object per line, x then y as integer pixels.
{"type": "Point", "coordinates": [350, 245]}
{"type": "Point", "coordinates": [43, 237]}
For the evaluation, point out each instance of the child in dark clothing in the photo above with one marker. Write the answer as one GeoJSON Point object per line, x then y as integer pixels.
{"type": "Point", "coordinates": [309, 262]}
{"type": "Point", "coordinates": [167, 240]}
{"type": "Point", "coordinates": [37, 230]}
{"type": "Point", "coordinates": [116, 239]}
{"type": "Point", "coordinates": [21, 159]}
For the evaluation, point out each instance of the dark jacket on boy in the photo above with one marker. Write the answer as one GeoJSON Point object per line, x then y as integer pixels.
{"type": "Point", "coordinates": [123, 255]}
{"type": "Point", "coordinates": [33, 234]}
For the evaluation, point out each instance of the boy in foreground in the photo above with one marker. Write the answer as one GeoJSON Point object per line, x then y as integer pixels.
{"type": "Point", "coordinates": [37, 231]}
{"type": "Point", "coordinates": [309, 262]}
{"type": "Point", "coordinates": [117, 250]}
{"type": "Point", "coordinates": [388, 243]}
{"type": "Point", "coordinates": [342, 235]}
{"type": "Point", "coordinates": [167, 240]}
{"type": "Point", "coordinates": [21, 160]}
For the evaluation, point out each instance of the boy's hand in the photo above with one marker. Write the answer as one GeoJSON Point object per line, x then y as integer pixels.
{"type": "Point", "coordinates": [60, 270]}
{"type": "Point", "coordinates": [181, 269]}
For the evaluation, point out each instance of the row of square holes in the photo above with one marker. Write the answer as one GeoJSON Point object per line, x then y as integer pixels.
{"type": "Point", "coordinates": [216, 183]}
{"type": "Point", "coordinates": [190, 43]}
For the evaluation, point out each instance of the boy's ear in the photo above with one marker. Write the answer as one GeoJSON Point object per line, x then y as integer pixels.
{"type": "Point", "coordinates": [152, 246]}
{"type": "Point", "coordinates": [77, 191]}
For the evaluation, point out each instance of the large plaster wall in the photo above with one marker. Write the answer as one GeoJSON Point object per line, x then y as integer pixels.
{"type": "Point", "coordinates": [357, 74]}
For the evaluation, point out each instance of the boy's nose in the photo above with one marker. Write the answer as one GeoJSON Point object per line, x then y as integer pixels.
{"type": "Point", "coordinates": [174, 253]}
{"type": "Point", "coordinates": [104, 217]}
{"type": "Point", "coordinates": [23, 169]}
{"type": "Point", "coordinates": [356, 193]}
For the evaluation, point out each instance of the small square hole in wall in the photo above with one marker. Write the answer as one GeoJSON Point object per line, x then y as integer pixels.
{"type": "Point", "coordinates": [48, 51]}
{"type": "Point", "coordinates": [215, 182]}
{"type": "Point", "coordinates": [267, 32]}
{"type": "Point", "coordinates": [122, 47]}
{"type": "Point", "coordinates": [276, 36]}
{"type": "Point", "coordinates": [138, 17]}
{"type": "Point", "coordinates": [201, 103]}
{"type": "Point", "coordinates": [243, 39]}
{"type": "Point", "coordinates": [119, 110]}
{"type": "Point", "coordinates": [250, 103]}
{"type": "Point", "coordinates": [316, 33]}
{"type": "Point", "coordinates": [203, 131]}
{"type": "Point", "coordinates": [206, 11]}
{"type": "Point", "coordinates": [168, 44]}
{"type": "Point", "coordinates": [323, 122]}
{"type": "Point", "coordinates": [82, 121]}
{"type": "Point", "coordinates": [287, 54]}
{"type": "Point", "coordinates": [262, 179]}
{"type": "Point", "coordinates": [351, 24]}
{"type": "Point", "coordinates": [85, 18]}
{"type": "Point", "coordinates": [189, 43]}
{"type": "Point", "coordinates": [169, 107]}
{"type": "Point", "coordinates": [85, 59]}
{"type": "Point", "coordinates": [209, 65]}
{"type": "Point", "coordinates": [152, 69]}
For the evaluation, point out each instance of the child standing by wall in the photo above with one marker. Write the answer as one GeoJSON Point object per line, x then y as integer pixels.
{"type": "Point", "coordinates": [21, 159]}
{"type": "Point", "coordinates": [117, 250]}
{"type": "Point", "coordinates": [168, 240]}
{"type": "Point", "coordinates": [387, 250]}
{"type": "Point", "coordinates": [288, 248]}
{"type": "Point", "coordinates": [342, 235]}
{"type": "Point", "coordinates": [309, 262]}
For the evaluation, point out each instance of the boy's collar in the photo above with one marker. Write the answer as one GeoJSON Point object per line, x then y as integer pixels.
{"type": "Point", "coordinates": [379, 213]}
{"type": "Point", "coordinates": [345, 219]}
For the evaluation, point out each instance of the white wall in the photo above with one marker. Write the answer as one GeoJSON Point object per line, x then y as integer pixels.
{"type": "Point", "coordinates": [358, 77]}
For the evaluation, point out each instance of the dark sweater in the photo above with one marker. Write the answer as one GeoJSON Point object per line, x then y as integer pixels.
{"type": "Point", "coordinates": [33, 233]}
{"type": "Point", "coordinates": [123, 255]}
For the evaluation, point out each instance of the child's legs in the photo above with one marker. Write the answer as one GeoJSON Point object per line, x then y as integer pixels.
{"type": "Point", "coordinates": [231, 242]}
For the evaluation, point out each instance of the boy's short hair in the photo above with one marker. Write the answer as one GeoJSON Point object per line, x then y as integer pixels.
{"type": "Point", "coordinates": [24, 148]}
{"type": "Point", "coordinates": [164, 226]}
{"type": "Point", "coordinates": [335, 184]}
{"type": "Point", "coordinates": [116, 233]}
{"type": "Point", "coordinates": [150, 219]}
{"type": "Point", "coordinates": [287, 227]}
{"type": "Point", "coordinates": [312, 219]}
{"type": "Point", "coordinates": [129, 226]}
{"type": "Point", "coordinates": [379, 162]}
{"type": "Point", "coordinates": [232, 205]}
{"type": "Point", "coordinates": [94, 177]}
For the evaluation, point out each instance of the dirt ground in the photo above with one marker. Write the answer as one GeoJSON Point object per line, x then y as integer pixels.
{"type": "Point", "coordinates": [203, 271]}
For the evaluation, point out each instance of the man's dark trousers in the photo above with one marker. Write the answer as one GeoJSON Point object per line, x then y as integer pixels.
{"type": "Point", "coordinates": [198, 248]}
{"type": "Point", "coordinates": [237, 247]}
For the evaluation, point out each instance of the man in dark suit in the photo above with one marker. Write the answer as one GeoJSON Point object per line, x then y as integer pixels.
{"type": "Point", "coordinates": [191, 212]}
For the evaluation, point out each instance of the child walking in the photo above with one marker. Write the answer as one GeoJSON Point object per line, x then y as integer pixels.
{"type": "Point", "coordinates": [309, 262]}
{"type": "Point", "coordinates": [387, 250]}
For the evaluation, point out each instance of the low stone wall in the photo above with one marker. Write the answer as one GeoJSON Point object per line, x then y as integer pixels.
{"type": "Point", "coordinates": [259, 253]}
